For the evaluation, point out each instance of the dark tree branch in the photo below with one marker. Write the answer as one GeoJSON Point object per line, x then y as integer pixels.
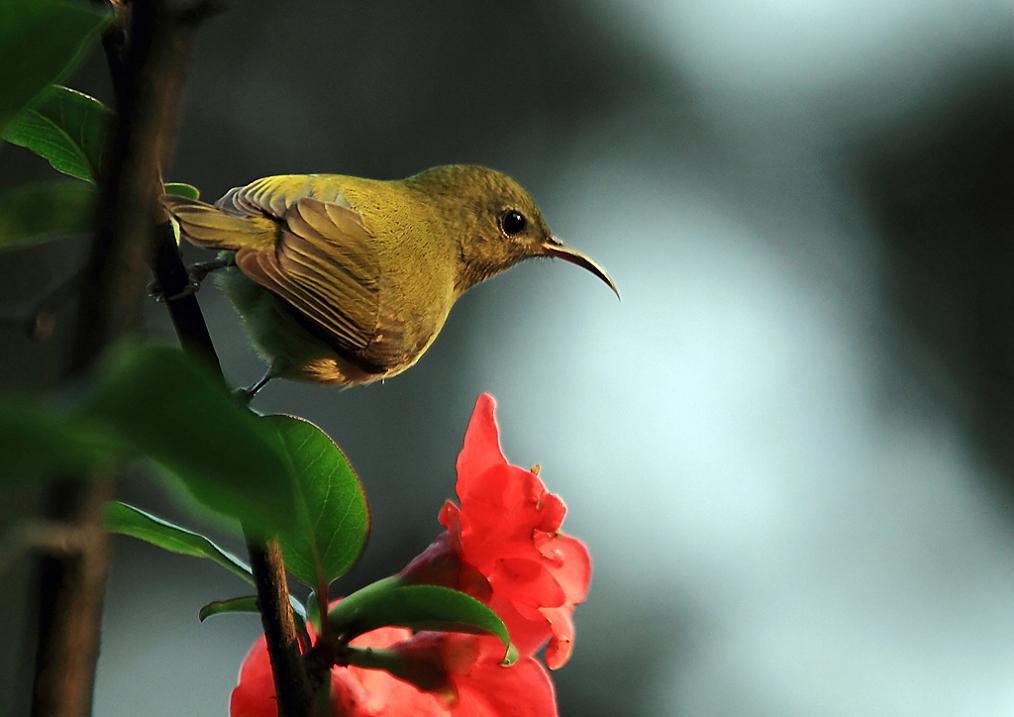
{"type": "Point", "coordinates": [146, 50]}
{"type": "Point", "coordinates": [291, 682]}
{"type": "Point", "coordinates": [185, 313]}
{"type": "Point", "coordinates": [71, 586]}
{"type": "Point", "coordinates": [146, 63]}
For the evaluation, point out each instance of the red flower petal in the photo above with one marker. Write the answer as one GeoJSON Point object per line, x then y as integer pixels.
{"type": "Point", "coordinates": [386, 696]}
{"type": "Point", "coordinates": [527, 583]}
{"type": "Point", "coordinates": [528, 633]}
{"type": "Point", "coordinates": [481, 687]}
{"type": "Point", "coordinates": [489, 690]}
{"type": "Point", "coordinates": [499, 517]}
{"type": "Point", "coordinates": [355, 692]}
{"type": "Point", "coordinates": [569, 562]}
{"type": "Point", "coordinates": [482, 441]}
{"type": "Point", "coordinates": [552, 512]}
{"type": "Point", "coordinates": [562, 642]}
{"type": "Point", "coordinates": [430, 660]}
{"type": "Point", "coordinates": [254, 695]}
{"type": "Point", "coordinates": [508, 531]}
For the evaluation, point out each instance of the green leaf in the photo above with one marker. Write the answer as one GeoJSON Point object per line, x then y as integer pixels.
{"type": "Point", "coordinates": [36, 212]}
{"type": "Point", "coordinates": [40, 42]}
{"type": "Point", "coordinates": [333, 519]}
{"type": "Point", "coordinates": [128, 520]}
{"type": "Point", "coordinates": [247, 603]}
{"type": "Point", "coordinates": [183, 189]}
{"type": "Point", "coordinates": [38, 443]}
{"type": "Point", "coordinates": [163, 405]}
{"type": "Point", "coordinates": [313, 610]}
{"type": "Point", "coordinates": [418, 607]}
{"type": "Point", "coordinates": [65, 127]}
{"type": "Point", "coordinates": [393, 661]}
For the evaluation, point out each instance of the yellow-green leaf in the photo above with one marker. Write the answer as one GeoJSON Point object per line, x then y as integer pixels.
{"type": "Point", "coordinates": [163, 405]}
{"type": "Point", "coordinates": [182, 189]}
{"type": "Point", "coordinates": [333, 519]}
{"type": "Point", "coordinates": [65, 127]}
{"type": "Point", "coordinates": [418, 607]}
{"type": "Point", "coordinates": [128, 520]}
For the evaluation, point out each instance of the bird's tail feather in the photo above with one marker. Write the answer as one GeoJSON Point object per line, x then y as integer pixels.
{"type": "Point", "coordinates": [208, 226]}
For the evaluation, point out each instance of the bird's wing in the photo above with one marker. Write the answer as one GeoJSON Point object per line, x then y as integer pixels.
{"type": "Point", "coordinates": [324, 263]}
{"type": "Point", "coordinates": [250, 217]}
{"type": "Point", "coordinates": [208, 226]}
{"type": "Point", "coordinates": [276, 195]}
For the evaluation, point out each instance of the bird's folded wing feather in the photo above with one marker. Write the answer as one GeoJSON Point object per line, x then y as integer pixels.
{"type": "Point", "coordinates": [276, 195]}
{"type": "Point", "coordinates": [295, 236]}
{"type": "Point", "coordinates": [324, 263]}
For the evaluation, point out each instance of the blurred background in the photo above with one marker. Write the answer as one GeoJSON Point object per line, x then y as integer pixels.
{"type": "Point", "coordinates": [788, 448]}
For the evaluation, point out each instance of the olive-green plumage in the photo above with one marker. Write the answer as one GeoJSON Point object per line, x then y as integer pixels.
{"type": "Point", "coordinates": [347, 280]}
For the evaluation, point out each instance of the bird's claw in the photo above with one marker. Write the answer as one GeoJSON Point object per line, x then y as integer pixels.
{"type": "Point", "coordinates": [196, 274]}
{"type": "Point", "coordinates": [243, 396]}
{"type": "Point", "coordinates": [155, 292]}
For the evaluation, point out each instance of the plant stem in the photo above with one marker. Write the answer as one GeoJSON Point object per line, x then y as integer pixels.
{"type": "Point", "coordinates": [292, 684]}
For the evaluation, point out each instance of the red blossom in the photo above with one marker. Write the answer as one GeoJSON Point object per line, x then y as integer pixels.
{"type": "Point", "coordinates": [477, 685]}
{"type": "Point", "coordinates": [465, 669]}
{"type": "Point", "coordinates": [503, 545]}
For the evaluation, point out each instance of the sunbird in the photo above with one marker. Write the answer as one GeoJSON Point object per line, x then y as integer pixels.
{"type": "Point", "coordinates": [344, 280]}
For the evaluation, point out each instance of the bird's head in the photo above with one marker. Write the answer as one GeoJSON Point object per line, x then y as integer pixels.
{"type": "Point", "coordinates": [495, 222]}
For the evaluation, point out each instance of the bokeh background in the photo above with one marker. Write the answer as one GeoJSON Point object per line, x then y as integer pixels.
{"type": "Point", "coordinates": [788, 448]}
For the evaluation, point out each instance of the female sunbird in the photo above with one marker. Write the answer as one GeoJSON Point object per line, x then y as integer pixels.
{"type": "Point", "coordinates": [346, 280]}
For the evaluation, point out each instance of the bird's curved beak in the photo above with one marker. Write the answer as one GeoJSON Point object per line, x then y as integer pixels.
{"type": "Point", "coordinates": [555, 248]}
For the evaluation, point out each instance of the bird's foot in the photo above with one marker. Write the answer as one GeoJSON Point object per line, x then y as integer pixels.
{"type": "Point", "coordinates": [246, 395]}
{"type": "Point", "coordinates": [243, 396]}
{"type": "Point", "coordinates": [196, 274]}
{"type": "Point", "coordinates": [155, 291]}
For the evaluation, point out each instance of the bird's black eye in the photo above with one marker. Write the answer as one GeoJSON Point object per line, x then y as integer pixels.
{"type": "Point", "coordinates": [513, 222]}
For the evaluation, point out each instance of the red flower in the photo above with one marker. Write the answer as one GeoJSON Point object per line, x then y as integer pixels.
{"type": "Point", "coordinates": [503, 545]}
{"type": "Point", "coordinates": [465, 673]}
{"type": "Point", "coordinates": [463, 670]}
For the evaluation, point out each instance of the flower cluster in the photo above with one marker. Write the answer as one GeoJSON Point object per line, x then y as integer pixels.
{"type": "Point", "coordinates": [503, 546]}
